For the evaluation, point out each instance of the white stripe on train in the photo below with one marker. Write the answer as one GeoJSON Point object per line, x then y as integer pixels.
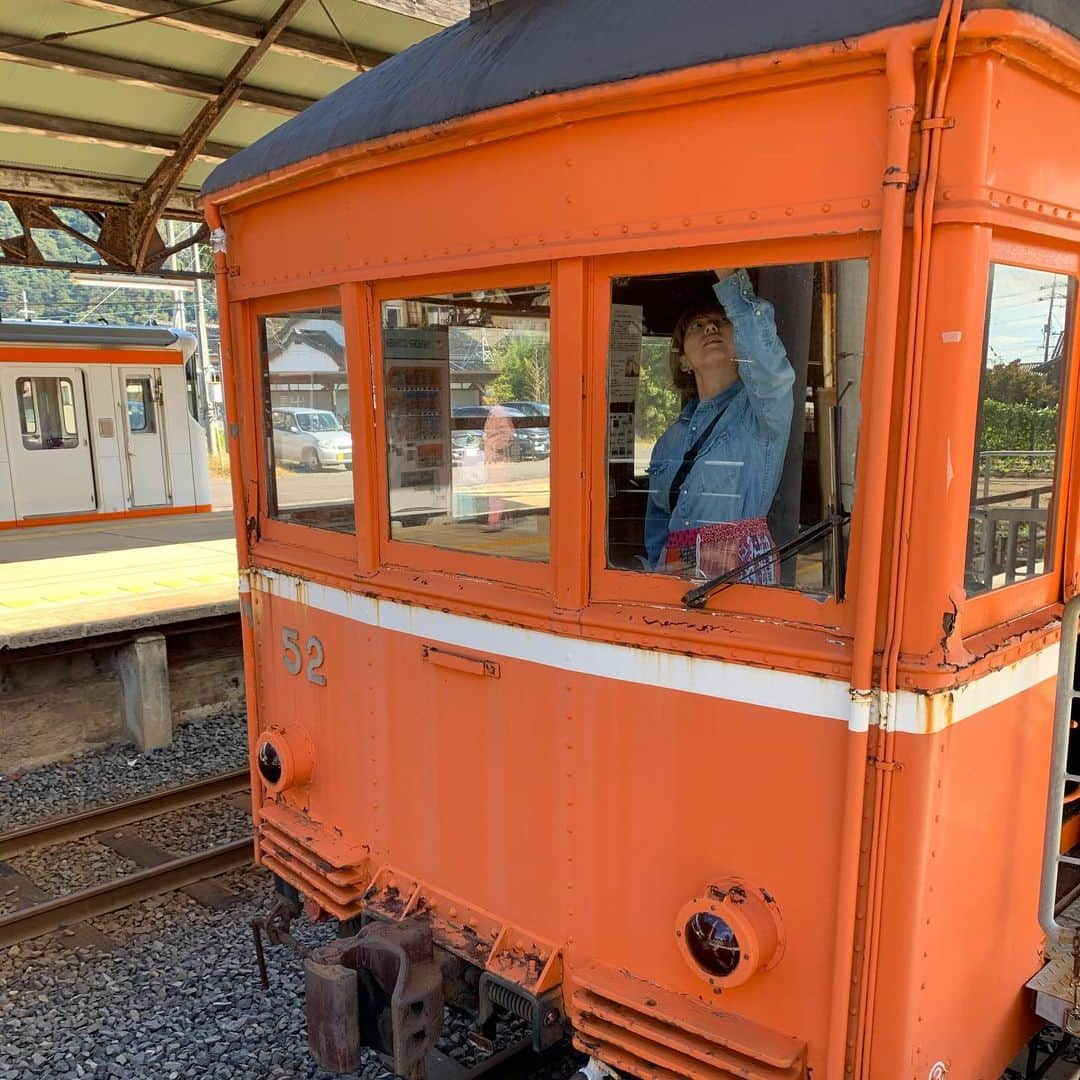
{"type": "Point", "coordinates": [917, 714]}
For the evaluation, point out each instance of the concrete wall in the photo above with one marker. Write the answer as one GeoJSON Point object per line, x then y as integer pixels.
{"type": "Point", "coordinates": [60, 704]}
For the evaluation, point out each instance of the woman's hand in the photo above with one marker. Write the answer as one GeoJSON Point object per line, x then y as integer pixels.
{"type": "Point", "coordinates": [723, 274]}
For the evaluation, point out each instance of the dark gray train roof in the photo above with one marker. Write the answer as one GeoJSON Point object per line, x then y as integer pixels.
{"type": "Point", "coordinates": [103, 336]}
{"type": "Point", "coordinates": [526, 48]}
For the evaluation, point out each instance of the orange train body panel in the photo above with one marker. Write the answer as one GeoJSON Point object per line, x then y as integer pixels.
{"type": "Point", "coordinates": [80, 354]}
{"type": "Point", "coordinates": [612, 787]}
{"type": "Point", "coordinates": [579, 773]}
{"type": "Point", "coordinates": [551, 763]}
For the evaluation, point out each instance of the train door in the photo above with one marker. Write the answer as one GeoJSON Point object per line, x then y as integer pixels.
{"type": "Point", "coordinates": [144, 435]}
{"type": "Point", "coordinates": [48, 438]}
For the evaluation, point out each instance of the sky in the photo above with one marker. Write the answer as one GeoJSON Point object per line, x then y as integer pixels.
{"type": "Point", "coordinates": [1019, 310]}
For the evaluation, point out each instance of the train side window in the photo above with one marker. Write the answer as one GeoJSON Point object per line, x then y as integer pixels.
{"type": "Point", "coordinates": [467, 380]}
{"type": "Point", "coordinates": [733, 417]}
{"type": "Point", "coordinates": [47, 413]}
{"type": "Point", "coordinates": [306, 416]}
{"type": "Point", "coordinates": [140, 406]}
{"type": "Point", "coordinates": [1015, 479]}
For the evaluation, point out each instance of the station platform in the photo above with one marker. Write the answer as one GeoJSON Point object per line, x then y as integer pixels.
{"type": "Point", "coordinates": [64, 582]}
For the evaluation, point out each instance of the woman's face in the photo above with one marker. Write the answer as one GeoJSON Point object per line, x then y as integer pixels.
{"type": "Point", "coordinates": [709, 344]}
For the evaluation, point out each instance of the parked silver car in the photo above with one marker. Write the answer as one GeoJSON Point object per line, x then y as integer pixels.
{"type": "Point", "coordinates": [312, 438]}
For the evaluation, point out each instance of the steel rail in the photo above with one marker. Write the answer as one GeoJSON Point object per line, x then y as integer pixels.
{"type": "Point", "coordinates": [515, 1062]}
{"type": "Point", "coordinates": [98, 900]}
{"type": "Point", "coordinates": [60, 830]}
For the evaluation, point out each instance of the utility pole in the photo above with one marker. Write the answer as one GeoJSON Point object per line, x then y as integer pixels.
{"type": "Point", "coordinates": [179, 314]}
{"type": "Point", "coordinates": [25, 307]}
{"type": "Point", "coordinates": [206, 414]}
{"type": "Point", "coordinates": [1048, 329]}
{"type": "Point", "coordinates": [198, 373]}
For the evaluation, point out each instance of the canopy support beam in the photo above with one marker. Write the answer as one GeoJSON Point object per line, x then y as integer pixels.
{"type": "Point", "coordinates": [135, 233]}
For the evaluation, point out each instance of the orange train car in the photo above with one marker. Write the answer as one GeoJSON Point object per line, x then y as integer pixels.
{"type": "Point", "coordinates": [758, 791]}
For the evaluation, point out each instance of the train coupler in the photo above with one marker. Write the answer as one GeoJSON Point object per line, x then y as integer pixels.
{"type": "Point", "coordinates": [382, 988]}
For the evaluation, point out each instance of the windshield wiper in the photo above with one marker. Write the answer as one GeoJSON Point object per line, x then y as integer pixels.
{"type": "Point", "coordinates": [696, 597]}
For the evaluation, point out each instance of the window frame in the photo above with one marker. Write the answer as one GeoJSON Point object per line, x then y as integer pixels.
{"type": "Point", "coordinates": [341, 548]}
{"type": "Point", "coordinates": [149, 424]}
{"type": "Point", "coordinates": [413, 555]}
{"type": "Point", "coordinates": [618, 586]}
{"type": "Point", "coordinates": [20, 397]}
{"type": "Point", "coordinates": [987, 610]}
{"type": "Point", "coordinates": [39, 412]}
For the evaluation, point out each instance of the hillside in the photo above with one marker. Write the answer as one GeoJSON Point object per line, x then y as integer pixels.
{"type": "Point", "coordinates": [49, 294]}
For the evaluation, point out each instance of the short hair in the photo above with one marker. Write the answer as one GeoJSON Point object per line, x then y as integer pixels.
{"type": "Point", "coordinates": [684, 380]}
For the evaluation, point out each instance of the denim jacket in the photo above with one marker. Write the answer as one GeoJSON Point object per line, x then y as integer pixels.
{"type": "Point", "coordinates": [736, 473]}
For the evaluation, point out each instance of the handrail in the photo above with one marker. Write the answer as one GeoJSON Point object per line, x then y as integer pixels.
{"type": "Point", "coordinates": [1012, 496]}
{"type": "Point", "coordinates": [1067, 695]}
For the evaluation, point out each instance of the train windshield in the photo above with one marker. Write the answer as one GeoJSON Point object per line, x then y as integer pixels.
{"type": "Point", "coordinates": [733, 418]}
{"type": "Point", "coordinates": [317, 421]}
{"type": "Point", "coordinates": [305, 388]}
{"type": "Point", "coordinates": [1015, 473]}
{"type": "Point", "coordinates": [468, 390]}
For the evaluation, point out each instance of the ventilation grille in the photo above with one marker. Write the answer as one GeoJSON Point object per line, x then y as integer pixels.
{"type": "Point", "coordinates": [655, 1034]}
{"type": "Point", "coordinates": [336, 880]}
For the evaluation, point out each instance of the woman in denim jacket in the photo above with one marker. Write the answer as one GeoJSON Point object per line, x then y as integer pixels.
{"type": "Point", "coordinates": [725, 452]}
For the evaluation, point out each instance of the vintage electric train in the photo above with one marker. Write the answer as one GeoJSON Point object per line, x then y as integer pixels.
{"type": "Point", "coordinates": [95, 424]}
{"type": "Point", "coordinates": [710, 826]}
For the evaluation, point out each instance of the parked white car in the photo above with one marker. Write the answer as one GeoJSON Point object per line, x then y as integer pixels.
{"type": "Point", "coordinates": [312, 438]}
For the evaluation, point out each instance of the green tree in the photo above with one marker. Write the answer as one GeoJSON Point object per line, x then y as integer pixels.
{"type": "Point", "coordinates": [1016, 384]}
{"type": "Point", "coordinates": [523, 362]}
{"type": "Point", "coordinates": [51, 295]}
{"type": "Point", "coordinates": [658, 402]}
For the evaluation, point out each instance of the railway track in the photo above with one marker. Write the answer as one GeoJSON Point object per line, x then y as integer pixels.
{"type": "Point", "coordinates": [515, 1062]}
{"type": "Point", "coordinates": [116, 826]}
{"type": "Point", "coordinates": [168, 874]}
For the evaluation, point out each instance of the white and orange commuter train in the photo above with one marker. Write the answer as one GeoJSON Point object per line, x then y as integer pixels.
{"type": "Point", "coordinates": [95, 423]}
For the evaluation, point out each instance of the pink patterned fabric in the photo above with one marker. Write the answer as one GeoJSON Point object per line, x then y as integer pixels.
{"type": "Point", "coordinates": [712, 550]}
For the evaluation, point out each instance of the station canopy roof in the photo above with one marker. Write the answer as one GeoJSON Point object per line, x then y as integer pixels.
{"type": "Point", "coordinates": [522, 49]}
{"type": "Point", "coordinates": [121, 108]}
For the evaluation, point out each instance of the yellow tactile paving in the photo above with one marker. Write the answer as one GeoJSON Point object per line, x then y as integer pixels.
{"type": "Point", "coordinates": [63, 575]}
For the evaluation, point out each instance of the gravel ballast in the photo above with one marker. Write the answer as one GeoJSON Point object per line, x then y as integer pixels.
{"type": "Point", "coordinates": [180, 998]}
{"type": "Point", "coordinates": [65, 868]}
{"type": "Point", "coordinates": [200, 749]}
{"type": "Point", "coordinates": [190, 830]}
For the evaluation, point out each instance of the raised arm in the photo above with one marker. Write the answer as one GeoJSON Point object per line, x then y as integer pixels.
{"type": "Point", "coordinates": [766, 371]}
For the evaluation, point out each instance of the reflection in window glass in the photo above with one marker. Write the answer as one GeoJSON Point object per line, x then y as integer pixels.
{"type": "Point", "coordinates": [28, 420]}
{"type": "Point", "coordinates": [47, 413]}
{"type": "Point", "coordinates": [1014, 479]}
{"type": "Point", "coordinates": [140, 406]}
{"type": "Point", "coordinates": [733, 416]}
{"type": "Point", "coordinates": [67, 407]}
{"type": "Point", "coordinates": [468, 418]}
{"type": "Point", "coordinates": [307, 418]}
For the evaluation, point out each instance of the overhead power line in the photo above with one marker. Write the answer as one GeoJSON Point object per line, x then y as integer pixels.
{"type": "Point", "coordinates": [65, 35]}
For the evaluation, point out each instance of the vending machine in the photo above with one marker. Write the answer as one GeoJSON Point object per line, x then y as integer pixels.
{"type": "Point", "coordinates": [418, 418]}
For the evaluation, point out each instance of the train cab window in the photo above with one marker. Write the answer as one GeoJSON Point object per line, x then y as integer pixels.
{"type": "Point", "coordinates": [1015, 476]}
{"type": "Point", "coordinates": [467, 380]}
{"type": "Point", "coordinates": [306, 419]}
{"type": "Point", "coordinates": [733, 417]}
{"type": "Point", "coordinates": [47, 416]}
{"type": "Point", "coordinates": [140, 407]}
